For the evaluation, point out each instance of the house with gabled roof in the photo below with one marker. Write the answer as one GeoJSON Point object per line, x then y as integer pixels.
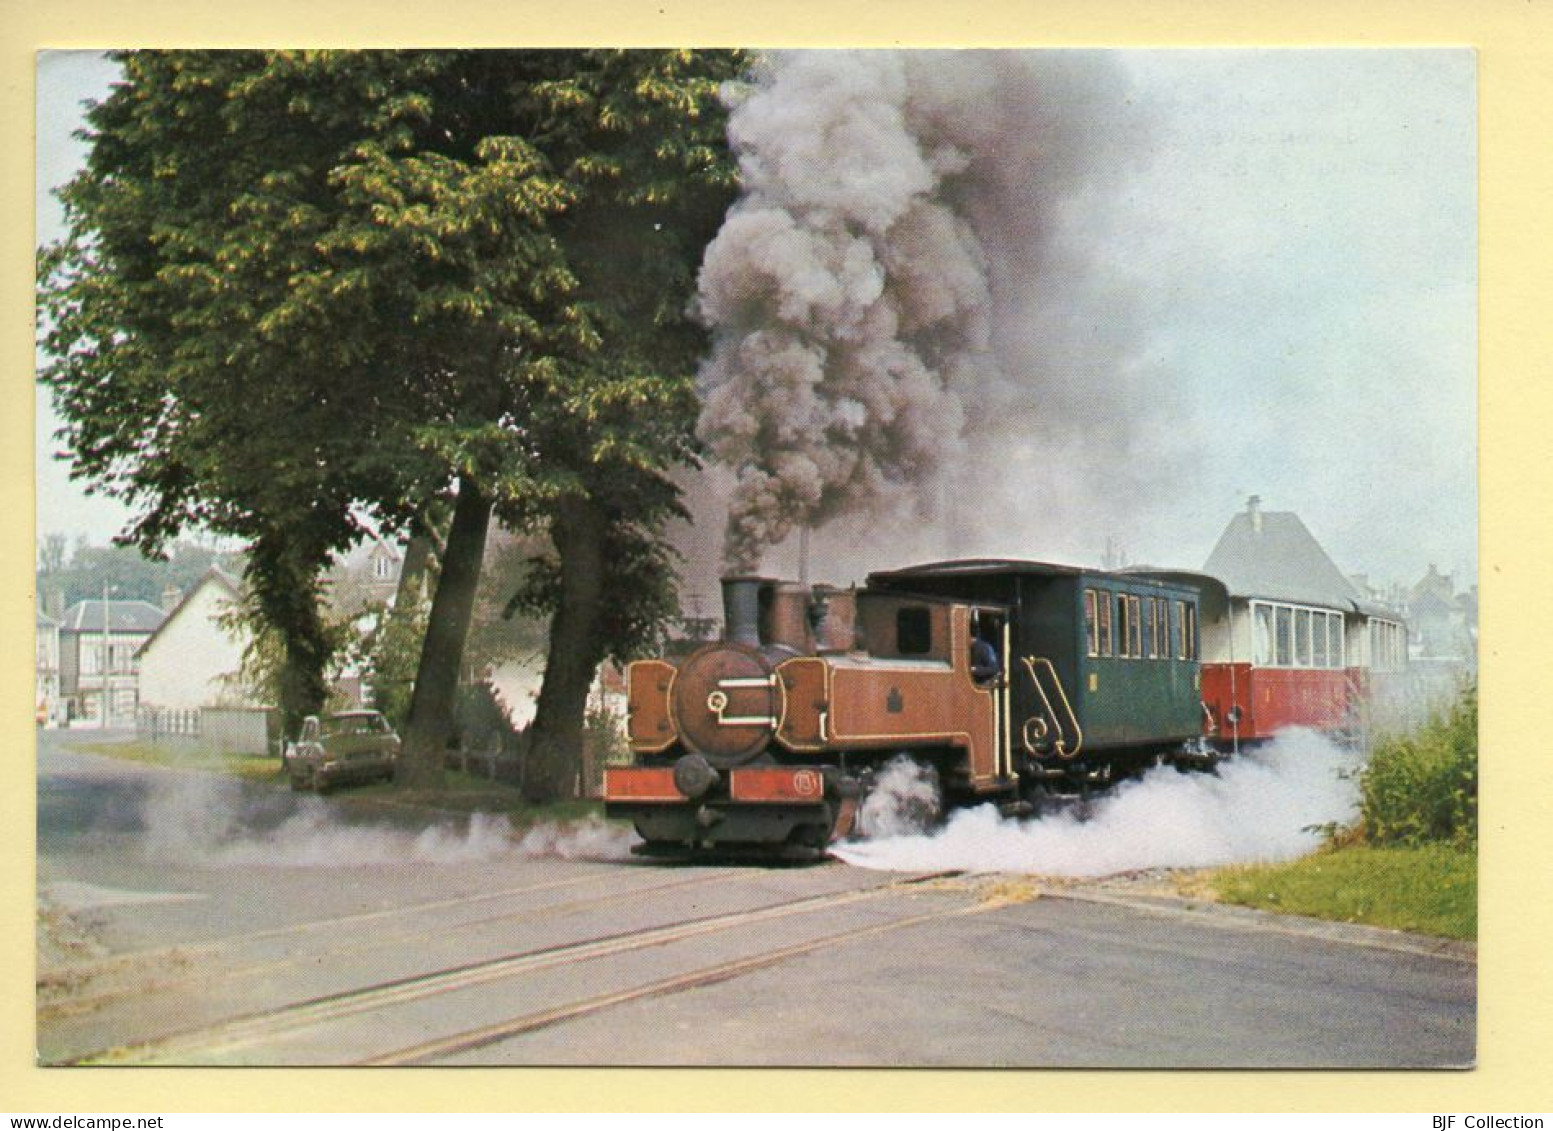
{"type": "Point", "coordinates": [1290, 604]}
{"type": "Point", "coordinates": [195, 656]}
{"type": "Point", "coordinates": [98, 642]}
{"type": "Point", "coordinates": [1272, 554]}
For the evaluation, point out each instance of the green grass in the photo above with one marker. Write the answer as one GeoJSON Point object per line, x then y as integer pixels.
{"type": "Point", "coordinates": [1429, 889]}
{"type": "Point", "coordinates": [250, 767]}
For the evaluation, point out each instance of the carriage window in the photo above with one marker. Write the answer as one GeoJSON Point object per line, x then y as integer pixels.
{"type": "Point", "coordinates": [1262, 630]}
{"type": "Point", "coordinates": [1123, 626]}
{"type": "Point", "coordinates": [1283, 651]}
{"type": "Point", "coordinates": [1091, 623]}
{"type": "Point", "coordinates": [914, 631]}
{"type": "Point", "coordinates": [1105, 622]}
{"type": "Point", "coordinates": [1135, 626]}
{"type": "Point", "coordinates": [1189, 612]}
{"type": "Point", "coordinates": [1302, 637]}
{"type": "Point", "coordinates": [1151, 619]}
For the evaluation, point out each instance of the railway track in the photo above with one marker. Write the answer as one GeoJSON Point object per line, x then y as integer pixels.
{"type": "Point", "coordinates": [266, 1032]}
{"type": "Point", "coordinates": [186, 959]}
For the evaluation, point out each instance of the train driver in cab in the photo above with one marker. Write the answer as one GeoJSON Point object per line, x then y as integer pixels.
{"type": "Point", "coordinates": [985, 668]}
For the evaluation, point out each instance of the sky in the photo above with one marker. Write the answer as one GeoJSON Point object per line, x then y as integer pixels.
{"type": "Point", "coordinates": [1292, 236]}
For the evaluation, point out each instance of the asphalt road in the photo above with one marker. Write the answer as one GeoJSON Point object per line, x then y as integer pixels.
{"type": "Point", "coordinates": [186, 919]}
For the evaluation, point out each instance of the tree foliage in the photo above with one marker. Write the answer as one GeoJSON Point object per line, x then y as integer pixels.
{"type": "Point", "coordinates": [304, 291]}
{"type": "Point", "coordinates": [1423, 786]}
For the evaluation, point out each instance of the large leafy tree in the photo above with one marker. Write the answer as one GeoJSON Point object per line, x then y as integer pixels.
{"type": "Point", "coordinates": [302, 289]}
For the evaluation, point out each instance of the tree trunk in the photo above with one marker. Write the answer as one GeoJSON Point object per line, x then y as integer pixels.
{"type": "Point", "coordinates": [554, 754]}
{"type": "Point", "coordinates": [286, 592]}
{"type": "Point", "coordinates": [436, 679]}
{"type": "Point", "coordinates": [412, 572]}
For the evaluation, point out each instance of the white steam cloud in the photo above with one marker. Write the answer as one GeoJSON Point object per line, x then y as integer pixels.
{"type": "Point", "coordinates": [216, 824]}
{"type": "Point", "coordinates": [906, 302]}
{"type": "Point", "coordinates": [1257, 807]}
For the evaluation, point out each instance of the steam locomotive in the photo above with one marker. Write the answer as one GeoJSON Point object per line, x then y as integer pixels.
{"type": "Point", "coordinates": [1005, 681]}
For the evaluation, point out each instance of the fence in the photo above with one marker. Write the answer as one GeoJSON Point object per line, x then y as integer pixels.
{"type": "Point", "coordinates": [233, 730]}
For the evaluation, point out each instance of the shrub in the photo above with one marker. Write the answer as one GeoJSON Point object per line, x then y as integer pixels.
{"type": "Point", "coordinates": [1422, 787]}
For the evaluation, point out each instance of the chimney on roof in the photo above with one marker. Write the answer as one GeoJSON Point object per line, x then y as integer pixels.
{"type": "Point", "coordinates": [1254, 509]}
{"type": "Point", "coordinates": [171, 595]}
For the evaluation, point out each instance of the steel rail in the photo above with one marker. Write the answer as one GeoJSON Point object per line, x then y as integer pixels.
{"type": "Point", "coordinates": [443, 1047]}
{"type": "Point", "coordinates": [82, 1003]}
{"type": "Point", "coordinates": [251, 1029]}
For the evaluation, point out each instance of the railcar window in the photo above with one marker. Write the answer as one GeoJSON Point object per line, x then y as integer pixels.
{"type": "Point", "coordinates": [1123, 626]}
{"type": "Point", "coordinates": [1135, 626]}
{"type": "Point", "coordinates": [1105, 622]}
{"type": "Point", "coordinates": [914, 631]}
{"type": "Point", "coordinates": [1262, 629]}
{"type": "Point", "coordinates": [1151, 618]}
{"type": "Point", "coordinates": [1302, 637]}
{"type": "Point", "coordinates": [1191, 630]}
{"type": "Point", "coordinates": [1091, 623]}
{"type": "Point", "coordinates": [1283, 652]}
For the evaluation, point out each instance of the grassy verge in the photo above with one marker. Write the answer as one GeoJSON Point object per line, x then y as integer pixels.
{"type": "Point", "coordinates": [250, 767]}
{"type": "Point", "coordinates": [465, 793]}
{"type": "Point", "coordinates": [1430, 889]}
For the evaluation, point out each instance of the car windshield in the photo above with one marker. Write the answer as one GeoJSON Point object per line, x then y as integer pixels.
{"type": "Point", "coordinates": [356, 724]}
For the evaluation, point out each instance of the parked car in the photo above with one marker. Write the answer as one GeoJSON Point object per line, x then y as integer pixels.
{"type": "Point", "coordinates": [351, 746]}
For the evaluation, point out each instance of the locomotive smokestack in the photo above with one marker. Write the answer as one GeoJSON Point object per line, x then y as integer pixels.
{"type": "Point", "coordinates": [741, 610]}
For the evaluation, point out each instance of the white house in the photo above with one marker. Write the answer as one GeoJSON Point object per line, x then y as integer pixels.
{"type": "Point", "coordinates": [194, 657]}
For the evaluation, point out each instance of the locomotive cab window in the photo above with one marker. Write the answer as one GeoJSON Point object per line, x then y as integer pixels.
{"type": "Point", "coordinates": [914, 631]}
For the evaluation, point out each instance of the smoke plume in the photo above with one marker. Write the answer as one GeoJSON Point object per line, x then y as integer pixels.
{"type": "Point", "coordinates": [218, 824]}
{"type": "Point", "coordinates": [908, 301]}
{"type": "Point", "coordinates": [1260, 806]}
